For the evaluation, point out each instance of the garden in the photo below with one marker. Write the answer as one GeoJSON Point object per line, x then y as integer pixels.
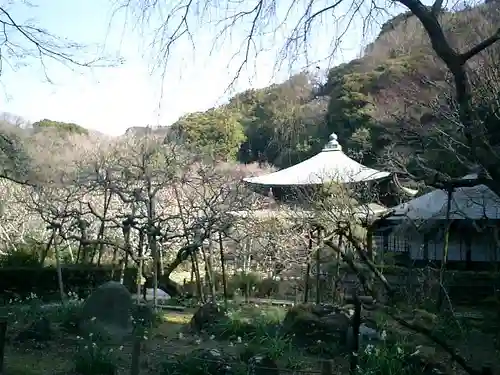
{"type": "Point", "coordinates": [108, 333]}
{"type": "Point", "coordinates": [84, 263]}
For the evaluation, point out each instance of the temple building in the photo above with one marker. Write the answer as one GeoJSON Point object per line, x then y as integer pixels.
{"type": "Point", "coordinates": [331, 165]}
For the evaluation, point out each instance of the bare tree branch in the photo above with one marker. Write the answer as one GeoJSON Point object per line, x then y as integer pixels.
{"type": "Point", "coordinates": [21, 42]}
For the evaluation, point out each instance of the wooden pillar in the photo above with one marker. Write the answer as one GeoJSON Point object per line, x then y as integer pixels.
{"type": "Point", "coordinates": [369, 250]}
{"type": "Point", "coordinates": [369, 242]}
{"type": "Point", "coordinates": [468, 252]}
{"type": "Point", "coordinates": [385, 245]}
{"type": "Point", "coordinates": [426, 249]}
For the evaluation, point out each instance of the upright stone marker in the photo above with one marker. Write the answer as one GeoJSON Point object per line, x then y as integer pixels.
{"type": "Point", "coordinates": [108, 312]}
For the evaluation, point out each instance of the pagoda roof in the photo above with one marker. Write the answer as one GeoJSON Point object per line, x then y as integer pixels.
{"type": "Point", "coordinates": [330, 165]}
{"type": "Point", "coordinates": [467, 202]}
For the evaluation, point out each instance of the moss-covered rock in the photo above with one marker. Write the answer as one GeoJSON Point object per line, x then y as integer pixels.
{"type": "Point", "coordinates": [311, 324]}
{"type": "Point", "coordinates": [208, 315]}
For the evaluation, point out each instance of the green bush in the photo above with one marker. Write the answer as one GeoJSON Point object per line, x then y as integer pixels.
{"type": "Point", "coordinates": [26, 254]}
{"type": "Point", "coordinates": [243, 282]}
{"type": "Point", "coordinates": [268, 287]}
{"type": "Point", "coordinates": [250, 322]}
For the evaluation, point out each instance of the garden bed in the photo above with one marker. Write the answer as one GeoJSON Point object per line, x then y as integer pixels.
{"type": "Point", "coordinates": [171, 348]}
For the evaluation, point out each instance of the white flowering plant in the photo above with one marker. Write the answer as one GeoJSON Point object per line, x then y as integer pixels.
{"type": "Point", "coordinates": [273, 345]}
{"type": "Point", "coordinates": [94, 358]}
{"type": "Point", "coordinates": [385, 359]}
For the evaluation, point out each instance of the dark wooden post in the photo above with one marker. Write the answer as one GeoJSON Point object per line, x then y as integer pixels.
{"type": "Point", "coordinates": [356, 322]}
{"type": "Point", "coordinates": [3, 332]}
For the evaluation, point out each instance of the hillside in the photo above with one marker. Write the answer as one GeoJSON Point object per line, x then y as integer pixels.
{"type": "Point", "coordinates": [390, 108]}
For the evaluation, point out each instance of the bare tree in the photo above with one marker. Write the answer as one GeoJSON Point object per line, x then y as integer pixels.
{"type": "Point", "coordinates": [25, 42]}
{"type": "Point", "coordinates": [264, 18]}
{"type": "Point", "coordinates": [435, 142]}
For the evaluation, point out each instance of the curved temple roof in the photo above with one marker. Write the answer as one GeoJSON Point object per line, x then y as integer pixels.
{"type": "Point", "coordinates": [331, 164]}
{"type": "Point", "coordinates": [473, 203]}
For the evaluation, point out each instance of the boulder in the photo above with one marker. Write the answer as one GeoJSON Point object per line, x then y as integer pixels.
{"type": "Point", "coordinates": [107, 312]}
{"type": "Point", "coordinates": [262, 365]}
{"type": "Point", "coordinates": [310, 324]}
{"type": "Point", "coordinates": [207, 315]}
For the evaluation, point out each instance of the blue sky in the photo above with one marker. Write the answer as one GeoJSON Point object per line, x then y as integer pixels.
{"type": "Point", "coordinates": [113, 99]}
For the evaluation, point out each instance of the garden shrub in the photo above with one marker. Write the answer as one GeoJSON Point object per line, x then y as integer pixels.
{"type": "Point", "coordinates": [21, 282]}
{"type": "Point", "coordinates": [268, 287]}
{"type": "Point", "coordinates": [244, 282]}
{"type": "Point", "coordinates": [23, 255]}
{"type": "Point", "coordinates": [248, 322]}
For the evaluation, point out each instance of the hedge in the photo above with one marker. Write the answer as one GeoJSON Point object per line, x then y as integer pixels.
{"type": "Point", "coordinates": [22, 282]}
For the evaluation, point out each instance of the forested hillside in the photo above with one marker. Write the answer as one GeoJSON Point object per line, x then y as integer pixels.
{"type": "Point", "coordinates": [392, 108]}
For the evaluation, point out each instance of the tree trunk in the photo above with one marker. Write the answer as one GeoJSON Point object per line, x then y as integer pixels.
{"type": "Point", "coordinates": [198, 278]}
{"type": "Point", "coordinates": [456, 64]}
{"type": "Point", "coordinates": [444, 256]}
{"type": "Point", "coordinates": [223, 267]}
{"type": "Point", "coordinates": [308, 270]}
{"type": "Point", "coordinates": [337, 269]}
{"type": "Point", "coordinates": [207, 259]}
{"type": "Point", "coordinates": [140, 268]}
{"type": "Point", "coordinates": [100, 235]}
{"type": "Point", "coordinates": [47, 248]}
{"type": "Point", "coordinates": [318, 268]}
{"type": "Point", "coordinates": [59, 272]}
{"type": "Point", "coordinates": [126, 235]}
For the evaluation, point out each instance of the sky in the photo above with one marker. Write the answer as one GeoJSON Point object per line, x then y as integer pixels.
{"type": "Point", "coordinates": [111, 99]}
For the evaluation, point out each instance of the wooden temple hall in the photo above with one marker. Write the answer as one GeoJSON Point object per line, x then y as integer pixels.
{"type": "Point", "coordinates": [295, 184]}
{"type": "Point", "coordinates": [458, 223]}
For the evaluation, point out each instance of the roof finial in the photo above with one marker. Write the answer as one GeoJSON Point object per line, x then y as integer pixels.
{"type": "Point", "coordinates": [333, 144]}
